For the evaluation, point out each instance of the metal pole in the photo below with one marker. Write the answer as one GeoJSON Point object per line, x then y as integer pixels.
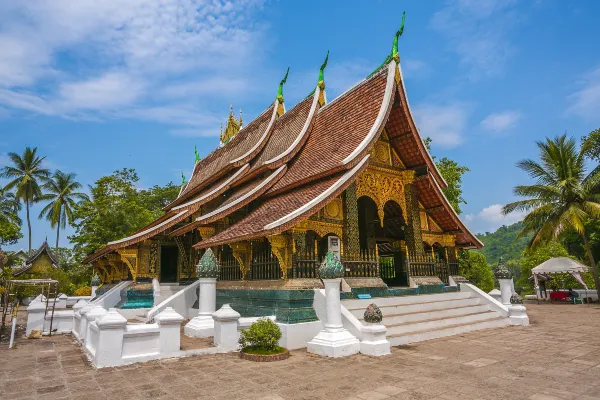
{"type": "Point", "coordinates": [14, 327]}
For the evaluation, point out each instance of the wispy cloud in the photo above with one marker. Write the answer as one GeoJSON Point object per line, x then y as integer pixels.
{"type": "Point", "coordinates": [585, 101]}
{"type": "Point", "coordinates": [444, 124]}
{"type": "Point", "coordinates": [479, 32]}
{"type": "Point", "coordinates": [133, 58]}
{"type": "Point", "coordinates": [501, 121]}
{"type": "Point", "coordinates": [491, 218]}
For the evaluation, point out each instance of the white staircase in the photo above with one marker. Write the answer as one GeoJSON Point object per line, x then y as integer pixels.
{"type": "Point", "coordinates": [167, 290]}
{"type": "Point", "coordinates": [412, 319]}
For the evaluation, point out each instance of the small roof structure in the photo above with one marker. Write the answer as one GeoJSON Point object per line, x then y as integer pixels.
{"type": "Point", "coordinates": [559, 265]}
{"type": "Point", "coordinates": [44, 249]}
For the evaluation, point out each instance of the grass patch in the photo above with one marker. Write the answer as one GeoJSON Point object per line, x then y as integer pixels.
{"type": "Point", "coordinates": [263, 352]}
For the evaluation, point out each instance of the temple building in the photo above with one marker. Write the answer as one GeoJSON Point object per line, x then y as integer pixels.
{"type": "Point", "coordinates": [39, 263]}
{"type": "Point", "coordinates": [351, 175]}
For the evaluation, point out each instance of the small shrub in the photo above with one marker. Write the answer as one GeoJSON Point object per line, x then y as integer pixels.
{"type": "Point", "coordinates": [264, 334]}
{"type": "Point", "coordinates": [83, 291]}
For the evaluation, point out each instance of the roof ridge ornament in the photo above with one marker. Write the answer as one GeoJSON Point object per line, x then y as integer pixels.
{"type": "Point", "coordinates": [183, 180]}
{"type": "Point", "coordinates": [279, 98]}
{"type": "Point", "coordinates": [395, 54]}
{"type": "Point", "coordinates": [321, 81]}
{"type": "Point", "coordinates": [233, 127]}
{"type": "Point", "coordinates": [196, 154]}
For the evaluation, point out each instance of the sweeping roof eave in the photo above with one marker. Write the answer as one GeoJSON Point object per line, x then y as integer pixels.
{"type": "Point", "coordinates": [282, 212]}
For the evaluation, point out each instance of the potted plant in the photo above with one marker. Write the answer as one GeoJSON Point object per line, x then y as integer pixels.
{"type": "Point", "coordinates": [260, 342]}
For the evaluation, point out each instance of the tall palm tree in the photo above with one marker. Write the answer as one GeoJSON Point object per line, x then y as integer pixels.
{"type": "Point", "coordinates": [26, 174]}
{"type": "Point", "coordinates": [62, 193]}
{"type": "Point", "coordinates": [562, 198]}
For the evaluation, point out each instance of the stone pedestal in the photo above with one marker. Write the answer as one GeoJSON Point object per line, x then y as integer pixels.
{"type": "Point", "coordinates": [334, 340]}
{"type": "Point", "coordinates": [83, 321]}
{"type": "Point", "coordinates": [374, 342]}
{"type": "Point", "coordinates": [226, 328]}
{"type": "Point", "coordinates": [169, 323]}
{"type": "Point", "coordinates": [203, 325]}
{"type": "Point", "coordinates": [95, 312]}
{"type": "Point", "coordinates": [35, 317]}
{"type": "Point", "coordinates": [505, 291]}
{"type": "Point", "coordinates": [111, 328]}
{"type": "Point", "coordinates": [94, 288]}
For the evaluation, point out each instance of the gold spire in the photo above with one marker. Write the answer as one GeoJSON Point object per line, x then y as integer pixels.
{"type": "Point", "coordinates": [233, 126]}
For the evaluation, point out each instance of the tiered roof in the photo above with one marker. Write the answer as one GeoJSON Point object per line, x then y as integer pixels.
{"type": "Point", "coordinates": [291, 165]}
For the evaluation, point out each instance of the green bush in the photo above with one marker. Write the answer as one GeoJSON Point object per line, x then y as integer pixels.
{"type": "Point", "coordinates": [264, 334]}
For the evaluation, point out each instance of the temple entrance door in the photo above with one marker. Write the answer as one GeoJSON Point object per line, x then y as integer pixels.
{"type": "Point", "coordinates": [392, 265]}
{"type": "Point", "coordinates": [168, 263]}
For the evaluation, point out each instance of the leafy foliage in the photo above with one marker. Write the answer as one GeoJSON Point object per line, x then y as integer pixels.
{"type": "Point", "coordinates": [474, 267]}
{"type": "Point", "coordinates": [590, 145]}
{"type": "Point", "coordinates": [264, 334]}
{"type": "Point", "coordinates": [503, 243]}
{"type": "Point", "coordinates": [116, 209]}
{"type": "Point", "coordinates": [563, 198]}
{"type": "Point", "coordinates": [452, 173]}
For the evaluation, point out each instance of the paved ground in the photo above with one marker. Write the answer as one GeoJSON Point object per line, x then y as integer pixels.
{"type": "Point", "coordinates": [557, 357]}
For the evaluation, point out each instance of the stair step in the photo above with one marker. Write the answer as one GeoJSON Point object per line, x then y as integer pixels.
{"type": "Point", "coordinates": [404, 300]}
{"type": "Point", "coordinates": [436, 323]}
{"type": "Point", "coordinates": [420, 316]}
{"type": "Point", "coordinates": [419, 307]}
{"type": "Point", "coordinates": [450, 330]}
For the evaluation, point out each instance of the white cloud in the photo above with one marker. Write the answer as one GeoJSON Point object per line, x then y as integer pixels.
{"type": "Point", "coordinates": [585, 102]}
{"type": "Point", "coordinates": [491, 218]}
{"type": "Point", "coordinates": [479, 32]}
{"type": "Point", "coordinates": [501, 121]}
{"type": "Point", "coordinates": [91, 59]}
{"type": "Point", "coordinates": [444, 124]}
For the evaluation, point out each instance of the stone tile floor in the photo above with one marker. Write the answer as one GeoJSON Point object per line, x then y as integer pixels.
{"type": "Point", "coordinates": [557, 357]}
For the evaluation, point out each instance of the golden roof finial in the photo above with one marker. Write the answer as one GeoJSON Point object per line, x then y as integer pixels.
{"type": "Point", "coordinates": [241, 122]}
{"type": "Point", "coordinates": [233, 126]}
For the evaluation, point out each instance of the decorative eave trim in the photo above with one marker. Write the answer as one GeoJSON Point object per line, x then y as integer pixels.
{"type": "Point", "coordinates": [453, 213]}
{"type": "Point", "coordinates": [260, 143]}
{"type": "Point", "coordinates": [208, 218]}
{"type": "Point", "coordinates": [216, 191]}
{"type": "Point", "coordinates": [301, 136]}
{"type": "Point", "coordinates": [154, 228]}
{"type": "Point", "coordinates": [438, 176]}
{"type": "Point", "coordinates": [298, 212]}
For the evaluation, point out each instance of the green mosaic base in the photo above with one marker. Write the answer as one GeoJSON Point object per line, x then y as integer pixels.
{"type": "Point", "coordinates": [139, 293]}
{"type": "Point", "coordinates": [383, 292]}
{"type": "Point", "coordinates": [450, 289]}
{"type": "Point", "coordinates": [288, 306]}
{"type": "Point", "coordinates": [431, 289]}
{"type": "Point", "coordinates": [138, 302]}
{"type": "Point", "coordinates": [405, 291]}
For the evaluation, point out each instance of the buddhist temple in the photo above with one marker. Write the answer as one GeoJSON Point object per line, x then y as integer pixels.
{"type": "Point", "coordinates": [39, 262]}
{"type": "Point", "coordinates": [350, 175]}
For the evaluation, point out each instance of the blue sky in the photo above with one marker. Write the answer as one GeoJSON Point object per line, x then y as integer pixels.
{"type": "Point", "coordinates": [99, 86]}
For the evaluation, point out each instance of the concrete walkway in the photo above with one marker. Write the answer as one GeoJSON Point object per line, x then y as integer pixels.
{"type": "Point", "coordinates": [558, 357]}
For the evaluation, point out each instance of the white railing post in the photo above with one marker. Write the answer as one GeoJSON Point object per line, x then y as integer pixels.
{"type": "Point", "coordinates": [169, 324]}
{"type": "Point", "coordinates": [111, 328]}
{"type": "Point", "coordinates": [226, 328]}
{"type": "Point", "coordinates": [95, 312]}
{"type": "Point", "coordinates": [35, 317]}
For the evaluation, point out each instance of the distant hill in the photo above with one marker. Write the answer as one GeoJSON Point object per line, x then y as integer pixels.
{"type": "Point", "coordinates": [502, 243]}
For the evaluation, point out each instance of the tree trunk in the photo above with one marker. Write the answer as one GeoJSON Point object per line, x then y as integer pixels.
{"type": "Point", "coordinates": [28, 221]}
{"type": "Point", "coordinates": [57, 230]}
{"type": "Point", "coordinates": [592, 263]}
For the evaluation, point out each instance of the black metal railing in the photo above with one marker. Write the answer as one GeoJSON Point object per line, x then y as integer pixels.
{"type": "Point", "coordinates": [230, 268]}
{"type": "Point", "coordinates": [264, 266]}
{"type": "Point", "coordinates": [305, 265]}
{"type": "Point", "coordinates": [362, 265]}
{"type": "Point", "coordinates": [453, 267]}
{"type": "Point", "coordinates": [420, 264]}
{"type": "Point", "coordinates": [441, 269]}
{"type": "Point", "coordinates": [387, 268]}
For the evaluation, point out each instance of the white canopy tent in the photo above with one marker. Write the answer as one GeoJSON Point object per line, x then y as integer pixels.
{"type": "Point", "coordinates": [559, 265]}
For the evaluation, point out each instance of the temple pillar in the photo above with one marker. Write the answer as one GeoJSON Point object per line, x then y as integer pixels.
{"type": "Point", "coordinates": [242, 252]}
{"type": "Point", "coordinates": [282, 249]}
{"type": "Point", "coordinates": [414, 236]}
{"type": "Point", "coordinates": [350, 238]}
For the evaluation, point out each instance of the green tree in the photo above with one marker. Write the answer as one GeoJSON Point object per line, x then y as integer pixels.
{"type": "Point", "coordinates": [26, 173]}
{"type": "Point", "coordinates": [10, 223]}
{"type": "Point", "coordinates": [504, 243]}
{"type": "Point", "coordinates": [563, 197]}
{"type": "Point", "coordinates": [590, 145]}
{"type": "Point", "coordinates": [116, 209]}
{"type": "Point", "coordinates": [62, 194]}
{"type": "Point", "coordinates": [452, 173]}
{"type": "Point", "coordinates": [474, 267]}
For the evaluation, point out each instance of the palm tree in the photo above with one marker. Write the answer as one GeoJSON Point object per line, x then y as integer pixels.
{"type": "Point", "coordinates": [25, 173]}
{"type": "Point", "coordinates": [61, 192]}
{"type": "Point", "coordinates": [563, 197]}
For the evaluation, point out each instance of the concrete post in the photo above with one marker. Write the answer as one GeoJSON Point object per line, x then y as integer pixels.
{"type": "Point", "coordinates": [83, 321]}
{"type": "Point", "coordinates": [35, 317]}
{"type": "Point", "coordinates": [95, 312]}
{"type": "Point", "coordinates": [94, 288]}
{"type": "Point", "coordinates": [203, 325]}
{"type": "Point", "coordinates": [505, 290]}
{"type": "Point", "coordinates": [334, 340]}
{"type": "Point", "coordinates": [226, 328]}
{"type": "Point", "coordinates": [111, 328]}
{"type": "Point", "coordinates": [374, 341]}
{"type": "Point", "coordinates": [169, 324]}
